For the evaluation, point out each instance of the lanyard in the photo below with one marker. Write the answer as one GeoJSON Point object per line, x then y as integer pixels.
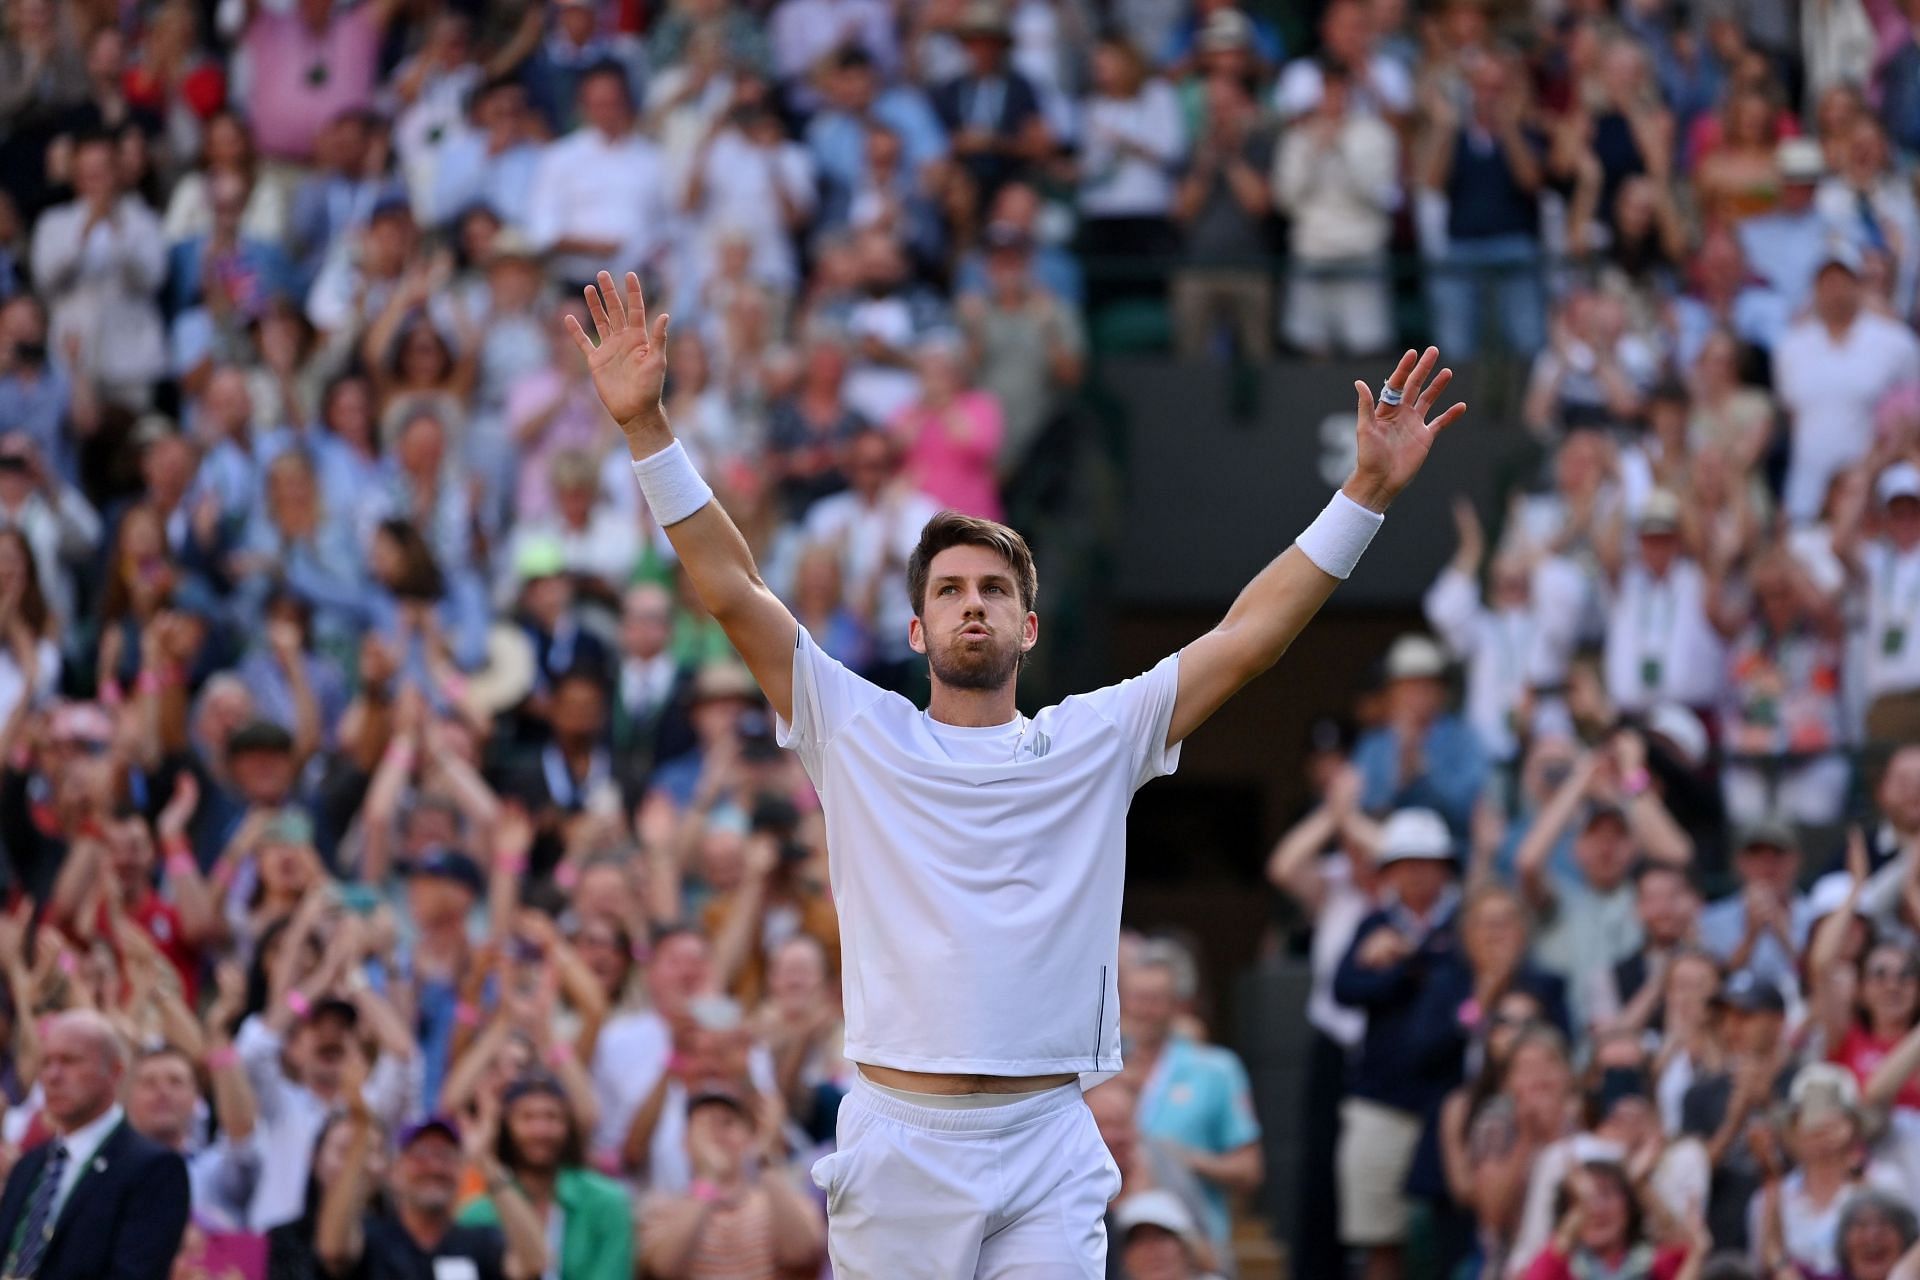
{"type": "Point", "coordinates": [1901, 616]}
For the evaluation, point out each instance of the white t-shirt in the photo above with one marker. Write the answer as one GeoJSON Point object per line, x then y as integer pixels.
{"type": "Point", "coordinates": [1893, 619]}
{"type": "Point", "coordinates": [1660, 645]}
{"type": "Point", "coordinates": [978, 871]}
{"type": "Point", "coordinates": [1832, 388]}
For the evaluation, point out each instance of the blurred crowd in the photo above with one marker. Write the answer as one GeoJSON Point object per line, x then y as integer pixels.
{"type": "Point", "coordinates": [371, 774]}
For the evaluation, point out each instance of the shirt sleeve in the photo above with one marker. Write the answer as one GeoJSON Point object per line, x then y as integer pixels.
{"type": "Point", "coordinates": [1235, 1124]}
{"type": "Point", "coordinates": [826, 698]}
{"type": "Point", "coordinates": [1142, 710]}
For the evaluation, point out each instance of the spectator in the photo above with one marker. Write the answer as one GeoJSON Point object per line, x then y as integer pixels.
{"type": "Point", "coordinates": [1602, 1221]}
{"type": "Point", "coordinates": [992, 114]}
{"type": "Point", "coordinates": [1384, 972]}
{"type": "Point", "coordinates": [1221, 207]}
{"type": "Point", "coordinates": [135, 1206]}
{"type": "Point", "coordinates": [1788, 245]}
{"type": "Point", "coordinates": [345, 189]}
{"type": "Point", "coordinates": [587, 229]}
{"type": "Point", "coordinates": [1132, 140]}
{"type": "Point", "coordinates": [1157, 1238]}
{"type": "Point", "coordinates": [1194, 1097]}
{"type": "Point", "coordinates": [491, 159]}
{"type": "Point", "coordinates": [1661, 641]}
{"type": "Point", "coordinates": [1378, 84]}
{"type": "Point", "coordinates": [951, 436]}
{"type": "Point", "coordinates": [1400, 762]}
{"type": "Point", "coordinates": [1889, 568]}
{"type": "Point", "coordinates": [1763, 927]}
{"type": "Point", "coordinates": [1489, 166]}
{"type": "Point", "coordinates": [1834, 367]}
{"type": "Point", "coordinates": [540, 1148]}
{"type": "Point", "coordinates": [102, 259]}
{"type": "Point", "coordinates": [418, 1231]}
{"type": "Point", "coordinates": [1335, 176]}
{"type": "Point", "coordinates": [729, 1223]}
{"type": "Point", "coordinates": [305, 66]}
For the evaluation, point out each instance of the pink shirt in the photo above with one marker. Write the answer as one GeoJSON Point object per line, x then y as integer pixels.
{"type": "Point", "coordinates": [298, 81]}
{"type": "Point", "coordinates": [951, 451]}
{"type": "Point", "coordinates": [579, 423]}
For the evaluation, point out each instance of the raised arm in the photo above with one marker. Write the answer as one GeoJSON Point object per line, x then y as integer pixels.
{"type": "Point", "coordinates": [1272, 609]}
{"type": "Point", "coordinates": [629, 367]}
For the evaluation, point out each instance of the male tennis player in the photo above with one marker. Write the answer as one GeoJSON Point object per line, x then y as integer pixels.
{"type": "Point", "coordinates": [977, 855]}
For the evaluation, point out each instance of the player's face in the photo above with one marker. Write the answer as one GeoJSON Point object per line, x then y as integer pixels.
{"type": "Point", "coordinates": [972, 626]}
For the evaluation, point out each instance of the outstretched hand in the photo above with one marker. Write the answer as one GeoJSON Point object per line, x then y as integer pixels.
{"type": "Point", "coordinates": [1393, 439]}
{"type": "Point", "coordinates": [629, 361]}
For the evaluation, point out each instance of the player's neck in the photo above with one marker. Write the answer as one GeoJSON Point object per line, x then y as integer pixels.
{"type": "Point", "coordinates": [972, 708]}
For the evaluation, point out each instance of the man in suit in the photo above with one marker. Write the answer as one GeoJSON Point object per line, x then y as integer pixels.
{"type": "Point", "coordinates": [653, 702]}
{"type": "Point", "coordinates": [97, 1201]}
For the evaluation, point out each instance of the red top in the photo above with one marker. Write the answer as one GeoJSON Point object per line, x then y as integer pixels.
{"type": "Point", "coordinates": [1862, 1053]}
{"type": "Point", "coordinates": [1551, 1265]}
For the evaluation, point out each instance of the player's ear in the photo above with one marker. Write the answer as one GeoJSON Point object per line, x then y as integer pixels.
{"type": "Point", "coordinates": [916, 636]}
{"type": "Point", "coordinates": [1030, 632]}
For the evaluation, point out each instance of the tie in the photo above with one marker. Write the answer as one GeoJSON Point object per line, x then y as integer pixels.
{"type": "Point", "coordinates": [32, 1245]}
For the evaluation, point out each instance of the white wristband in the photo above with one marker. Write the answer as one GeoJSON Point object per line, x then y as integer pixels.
{"type": "Point", "coordinates": [673, 489]}
{"type": "Point", "coordinates": [1339, 534]}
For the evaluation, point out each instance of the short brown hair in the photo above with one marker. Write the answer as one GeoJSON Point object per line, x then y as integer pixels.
{"type": "Point", "coordinates": [952, 529]}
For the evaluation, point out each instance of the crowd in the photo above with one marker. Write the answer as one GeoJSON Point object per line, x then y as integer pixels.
{"type": "Point", "coordinates": [406, 879]}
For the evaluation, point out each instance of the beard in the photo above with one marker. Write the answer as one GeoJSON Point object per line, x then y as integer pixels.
{"type": "Point", "coordinates": [975, 667]}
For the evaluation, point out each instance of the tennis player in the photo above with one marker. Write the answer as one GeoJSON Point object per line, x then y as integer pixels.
{"type": "Point", "coordinates": [977, 855]}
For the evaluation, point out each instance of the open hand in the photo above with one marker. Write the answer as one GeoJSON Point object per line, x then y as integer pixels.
{"type": "Point", "coordinates": [1394, 438]}
{"type": "Point", "coordinates": [629, 364]}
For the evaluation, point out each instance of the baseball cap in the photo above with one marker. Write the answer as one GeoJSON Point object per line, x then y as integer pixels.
{"type": "Point", "coordinates": [531, 1083]}
{"type": "Point", "coordinates": [718, 1092]}
{"type": "Point", "coordinates": [1601, 811]}
{"type": "Point", "coordinates": [259, 735]}
{"type": "Point", "coordinates": [1799, 160]}
{"type": "Point", "coordinates": [288, 826]}
{"type": "Point", "coordinates": [1660, 513]}
{"type": "Point", "coordinates": [1155, 1208]}
{"type": "Point", "coordinates": [1415, 657]}
{"type": "Point", "coordinates": [451, 864]}
{"type": "Point", "coordinates": [1682, 731]}
{"type": "Point", "coordinates": [1841, 253]}
{"type": "Point", "coordinates": [721, 680]}
{"type": "Point", "coordinates": [1415, 833]}
{"type": "Point", "coordinates": [1766, 833]}
{"type": "Point", "coordinates": [540, 557]}
{"type": "Point", "coordinates": [1901, 480]}
{"type": "Point", "coordinates": [1747, 992]}
{"type": "Point", "coordinates": [437, 1123]}
{"type": "Point", "coordinates": [1226, 29]}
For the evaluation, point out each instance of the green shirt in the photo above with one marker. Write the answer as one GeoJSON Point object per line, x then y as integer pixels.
{"type": "Point", "coordinates": [597, 1233]}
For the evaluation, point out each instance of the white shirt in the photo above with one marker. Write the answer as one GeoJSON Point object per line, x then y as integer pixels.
{"type": "Point", "coordinates": [978, 871]}
{"type": "Point", "coordinates": [1342, 195]}
{"type": "Point", "coordinates": [742, 188]}
{"type": "Point", "coordinates": [875, 539]}
{"type": "Point", "coordinates": [598, 188]}
{"type": "Point", "coordinates": [1831, 388]}
{"type": "Point", "coordinates": [82, 1145]}
{"type": "Point", "coordinates": [1893, 618]}
{"type": "Point", "coordinates": [1387, 89]}
{"type": "Point", "coordinates": [1811, 1232]}
{"type": "Point", "coordinates": [1660, 645]}
{"type": "Point", "coordinates": [1342, 908]}
{"type": "Point", "coordinates": [1125, 184]}
{"type": "Point", "coordinates": [290, 1117]}
{"type": "Point", "coordinates": [1506, 650]}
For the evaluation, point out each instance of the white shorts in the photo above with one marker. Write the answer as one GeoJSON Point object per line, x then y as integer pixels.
{"type": "Point", "coordinates": [1013, 1192]}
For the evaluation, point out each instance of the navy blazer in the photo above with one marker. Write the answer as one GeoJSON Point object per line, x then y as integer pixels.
{"type": "Point", "coordinates": [124, 1219]}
